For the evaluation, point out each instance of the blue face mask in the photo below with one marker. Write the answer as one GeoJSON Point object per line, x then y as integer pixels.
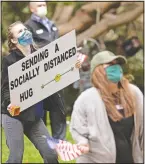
{"type": "Point", "coordinates": [114, 73]}
{"type": "Point", "coordinates": [25, 39]}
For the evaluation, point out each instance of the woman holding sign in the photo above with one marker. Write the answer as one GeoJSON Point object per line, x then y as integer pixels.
{"type": "Point", "coordinates": [29, 121]}
{"type": "Point", "coordinates": [107, 120]}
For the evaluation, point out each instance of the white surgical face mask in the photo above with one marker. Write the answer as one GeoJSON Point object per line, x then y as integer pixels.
{"type": "Point", "coordinates": [41, 11]}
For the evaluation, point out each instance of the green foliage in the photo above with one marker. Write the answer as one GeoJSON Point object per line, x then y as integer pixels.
{"type": "Point", "coordinates": [31, 154]}
{"type": "Point", "coordinates": [13, 11]}
{"type": "Point", "coordinates": [134, 67]}
{"type": "Point", "coordinates": [51, 8]}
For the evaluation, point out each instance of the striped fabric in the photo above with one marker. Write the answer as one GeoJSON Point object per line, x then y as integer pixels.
{"type": "Point", "coordinates": [65, 150]}
{"type": "Point", "coordinates": [81, 57]}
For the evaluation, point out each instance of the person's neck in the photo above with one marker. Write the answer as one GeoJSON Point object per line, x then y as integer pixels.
{"type": "Point", "coordinates": [113, 87]}
{"type": "Point", "coordinates": [25, 50]}
{"type": "Point", "coordinates": [44, 17]}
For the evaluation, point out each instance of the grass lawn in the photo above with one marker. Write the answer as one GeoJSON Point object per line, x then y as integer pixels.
{"type": "Point", "coordinates": [31, 154]}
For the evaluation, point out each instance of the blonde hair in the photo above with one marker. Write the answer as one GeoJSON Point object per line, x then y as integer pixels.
{"type": "Point", "coordinates": [11, 45]}
{"type": "Point", "coordinates": [125, 97]}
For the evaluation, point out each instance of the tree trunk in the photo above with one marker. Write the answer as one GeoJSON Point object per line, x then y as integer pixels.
{"type": "Point", "coordinates": [65, 14]}
{"type": "Point", "coordinates": [57, 12]}
{"type": "Point", "coordinates": [84, 17]}
{"type": "Point", "coordinates": [108, 23]}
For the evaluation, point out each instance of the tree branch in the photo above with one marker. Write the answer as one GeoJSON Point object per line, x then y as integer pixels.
{"type": "Point", "coordinates": [65, 14]}
{"type": "Point", "coordinates": [106, 24]}
{"type": "Point", "coordinates": [84, 17]}
{"type": "Point", "coordinates": [57, 12]}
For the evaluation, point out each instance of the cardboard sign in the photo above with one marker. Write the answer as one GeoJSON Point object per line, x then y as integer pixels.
{"type": "Point", "coordinates": [44, 72]}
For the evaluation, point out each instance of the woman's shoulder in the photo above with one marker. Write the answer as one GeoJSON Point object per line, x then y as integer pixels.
{"type": "Point", "coordinates": [89, 97]}
{"type": "Point", "coordinates": [89, 94]}
{"type": "Point", "coordinates": [11, 57]}
{"type": "Point", "coordinates": [91, 90]}
{"type": "Point", "coordinates": [135, 89]}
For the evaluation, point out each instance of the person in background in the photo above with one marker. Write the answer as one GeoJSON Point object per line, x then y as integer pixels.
{"type": "Point", "coordinates": [84, 82]}
{"type": "Point", "coordinates": [107, 119]}
{"type": "Point", "coordinates": [28, 122]}
{"type": "Point", "coordinates": [44, 32]}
